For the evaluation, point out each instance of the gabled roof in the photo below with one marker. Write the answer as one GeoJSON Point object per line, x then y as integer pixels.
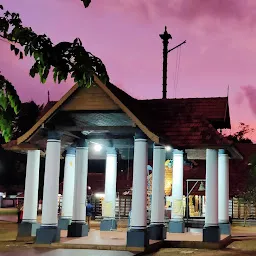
{"type": "Point", "coordinates": [164, 121]}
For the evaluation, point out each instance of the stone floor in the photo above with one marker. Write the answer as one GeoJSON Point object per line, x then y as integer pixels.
{"type": "Point", "coordinates": [65, 252]}
{"type": "Point", "coordinates": [118, 238]}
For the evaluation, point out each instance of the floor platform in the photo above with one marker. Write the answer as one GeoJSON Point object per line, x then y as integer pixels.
{"type": "Point", "coordinates": [194, 240]}
{"type": "Point", "coordinates": [116, 241]}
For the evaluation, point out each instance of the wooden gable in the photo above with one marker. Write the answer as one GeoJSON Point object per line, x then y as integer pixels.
{"type": "Point", "coordinates": [93, 98]}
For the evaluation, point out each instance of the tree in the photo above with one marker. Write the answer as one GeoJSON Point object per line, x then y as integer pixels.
{"type": "Point", "coordinates": [63, 59]}
{"type": "Point", "coordinates": [27, 117]}
{"type": "Point", "coordinates": [9, 107]}
{"type": "Point", "coordinates": [241, 135]}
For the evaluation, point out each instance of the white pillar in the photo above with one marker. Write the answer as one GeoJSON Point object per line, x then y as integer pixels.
{"type": "Point", "coordinates": [223, 192]}
{"type": "Point", "coordinates": [211, 232]}
{"type": "Point", "coordinates": [158, 181]}
{"type": "Point", "coordinates": [68, 184]}
{"type": "Point", "coordinates": [137, 235]}
{"type": "Point", "coordinates": [31, 186]}
{"type": "Point", "coordinates": [211, 191]}
{"type": "Point", "coordinates": [139, 185]}
{"type": "Point", "coordinates": [51, 183]}
{"type": "Point", "coordinates": [176, 224]}
{"type": "Point", "coordinates": [223, 187]}
{"type": "Point", "coordinates": [80, 192]}
{"type": "Point", "coordinates": [49, 232]}
{"type": "Point", "coordinates": [109, 204]}
{"type": "Point", "coordinates": [110, 181]}
{"type": "Point", "coordinates": [78, 228]}
{"type": "Point", "coordinates": [157, 229]}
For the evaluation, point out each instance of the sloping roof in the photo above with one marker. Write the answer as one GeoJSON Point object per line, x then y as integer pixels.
{"type": "Point", "coordinates": [184, 123]}
{"type": "Point", "coordinates": [164, 121]}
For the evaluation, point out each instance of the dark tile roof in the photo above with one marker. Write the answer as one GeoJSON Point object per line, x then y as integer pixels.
{"type": "Point", "coordinates": [184, 123]}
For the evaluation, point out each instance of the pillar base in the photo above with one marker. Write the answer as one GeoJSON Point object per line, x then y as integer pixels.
{"type": "Point", "coordinates": [47, 235]}
{"type": "Point", "coordinates": [27, 229]}
{"type": "Point", "coordinates": [176, 226]}
{"type": "Point", "coordinates": [64, 223]}
{"type": "Point", "coordinates": [78, 229]}
{"type": "Point", "coordinates": [157, 231]}
{"type": "Point", "coordinates": [225, 228]}
{"type": "Point", "coordinates": [137, 238]}
{"type": "Point", "coordinates": [211, 234]}
{"type": "Point", "coordinates": [108, 225]}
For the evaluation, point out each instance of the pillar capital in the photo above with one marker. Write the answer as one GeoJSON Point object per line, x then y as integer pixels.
{"type": "Point", "coordinates": [82, 143]}
{"type": "Point", "coordinates": [111, 151]}
{"type": "Point", "coordinates": [71, 151]}
{"type": "Point", "coordinates": [222, 152]}
{"type": "Point", "coordinates": [140, 135]}
{"type": "Point", "coordinates": [158, 146]}
{"type": "Point", "coordinates": [178, 152]}
{"type": "Point", "coordinates": [54, 135]}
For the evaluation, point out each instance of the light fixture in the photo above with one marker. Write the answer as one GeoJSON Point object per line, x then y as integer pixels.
{"type": "Point", "coordinates": [168, 148]}
{"type": "Point", "coordinates": [201, 187]}
{"type": "Point", "coordinates": [97, 147]}
{"type": "Point", "coordinates": [89, 188]}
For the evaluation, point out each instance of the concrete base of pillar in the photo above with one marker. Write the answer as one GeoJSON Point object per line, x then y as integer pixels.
{"type": "Point", "coordinates": [137, 238]}
{"type": "Point", "coordinates": [27, 229]}
{"type": "Point", "coordinates": [211, 234]}
{"type": "Point", "coordinates": [64, 223]}
{"type": "Point", "coordinates": [47, 235]}
{"type": "Point", "coordinates": [108, 225]}
{"type": "Point", "coordinates": [176, 226]}
{"type": "Point", "coordinates": [225, 228]}
{"type": "Point", "coordinates": [157, 231]}
{"type": "Point", "coordinates": [78, 229]}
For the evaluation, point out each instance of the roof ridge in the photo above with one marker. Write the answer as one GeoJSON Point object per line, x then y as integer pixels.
{"type": "Point", "coordinates": [177, 99]}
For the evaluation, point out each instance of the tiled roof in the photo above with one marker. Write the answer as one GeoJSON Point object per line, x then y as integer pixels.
{"type": "Point", "coordinates": [185, 123]}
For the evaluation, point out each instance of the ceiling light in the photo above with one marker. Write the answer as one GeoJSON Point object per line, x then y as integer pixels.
{"type": "Point", "coordinates": [97, 147]}
{"type": "Point", "coordinates": [168, 148]}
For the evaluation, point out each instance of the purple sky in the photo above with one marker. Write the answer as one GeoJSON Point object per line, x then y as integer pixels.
{"type": "Point", "coordinates": [220, 49]}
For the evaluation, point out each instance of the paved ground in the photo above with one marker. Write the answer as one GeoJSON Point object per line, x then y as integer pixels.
{"type": "Point", "coordinates": [64, 252]}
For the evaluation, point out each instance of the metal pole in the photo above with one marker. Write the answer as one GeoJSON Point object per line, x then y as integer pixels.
{"type": "Point", "coordinates": [187, 207]}
{"type": "Point", "coordinates": [165, 37]}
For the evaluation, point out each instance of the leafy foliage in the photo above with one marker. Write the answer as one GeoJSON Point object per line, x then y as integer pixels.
{"type": "Point", "coordinates": [9, 107]}
{"type": "Point", "coordinates": [27, 117]}
{"type": "Point", "coordinates": [241, 135]}
{"type": "Point", "coordinates": [63, 59]}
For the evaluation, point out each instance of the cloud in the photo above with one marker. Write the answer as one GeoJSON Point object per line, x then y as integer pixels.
{"type": "Point", "coordinates": [250, 93]}
{"type": "Point", "coordinates": [186, 10]}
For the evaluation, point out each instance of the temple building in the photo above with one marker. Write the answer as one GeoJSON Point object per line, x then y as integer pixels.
{"type": "Point", "coordinates": [104, 122]}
